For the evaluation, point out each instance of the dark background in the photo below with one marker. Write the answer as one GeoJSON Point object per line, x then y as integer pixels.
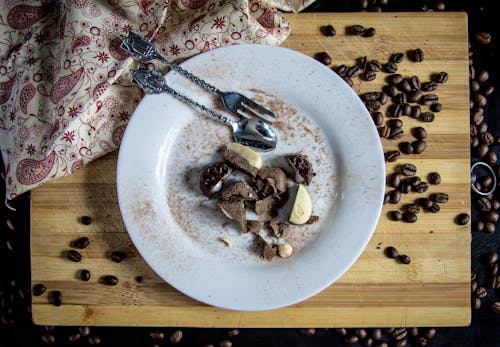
{"type": "Point", "coordinates": [16, 328]}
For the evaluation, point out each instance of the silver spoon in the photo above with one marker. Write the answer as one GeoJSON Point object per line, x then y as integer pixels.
{"type": "Point", "coordinates": [248, 131]}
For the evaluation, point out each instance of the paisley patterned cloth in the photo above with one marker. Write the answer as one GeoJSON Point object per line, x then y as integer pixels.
{"type": "Point", "coordinates": [64, 99]}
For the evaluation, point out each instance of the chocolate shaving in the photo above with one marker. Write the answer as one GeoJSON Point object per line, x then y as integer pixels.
{"type": "Point", "coordinates": [238, 189]}
{"type": "Point", "coordinates": [302, 168]}
{"type": "Point", "coordinates": [279, 229]}
{"type": "Point", "coordinates": [267, 250]}
{"type": "Point", "coordinates": [254, 226]}
{"type": "Point", "coordinates": [271, 181]}
{"type": "Point", "coordinates": [234, 209]}
{"type": "Point", "coordinates": [238, 162]}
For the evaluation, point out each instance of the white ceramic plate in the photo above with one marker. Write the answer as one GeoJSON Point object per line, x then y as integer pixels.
{"type": "Point", "coordinates": [178, 231]}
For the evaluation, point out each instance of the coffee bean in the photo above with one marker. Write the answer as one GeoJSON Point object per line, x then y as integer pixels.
{"type": "Point", "coordinates": [308, 331]}
{"type": "Point", "coordinates": [383, 98]}
{"type": "Point", "coordinates": [341, 70]}
{"type": "Point", "coordinates": [392, 156]}
{"type": "Point", "coordinates": [74, 255]}
{"type": "Point", "coordinates": [74, 337]}
{"type": "Point", "coordinates": [323, 57]}
{"type": "Point", "coordinates": [462, 219]}
{"type": "Point", "coordinates": [396, 133]}
{"type": "Point", "coordinates": [356, 30]}
{"type": "Point", "coordinates": [474, 142]}
{"type": "Point", "coordinates": [414, 95]}
{"type": "Point", "coordinates": [328, 30]}
{"type": "Point", "coordinates": [86, 220]}
{"type": "Point", "coordinates": [351, 340]}
{"type": "Point", "coordinates": [80, 243]}
{"type": "Point", "coordinates": [394, 180]}
{"type": "Point", "coordinates": [370, 75]}
{"type": "Point", "coordinates": [117, 256]}
{"type": "Point", "coordinates": [487, 138]}
{"type": "Point", "coordinates": [495, 307]}
{"type": "Point", "coordinates": [374, 65]}
{"type": "Point", "coordinates": [484, 204]}
{"type": "Point", "coordinates": [348, 80]}
{"type": "Point", "coordinates": [481, 292]}
{"type": "Point", "coordinates": [400, 334]}
{"type": "Point", "coordinates": [395, 79]}
{"type": "Point", "coordinates": [38, 289]}
{"type": "Point", "coordinates": [442, 77]}
{"type": "Point", "coordinates": [370, 96]}
{"type": "Point", "coordinates": [55, 298]}
{"type": "Point", "coordinates": [488, 90]}
{"type": "Point", "coordinates": [401, 98]}
{"type": "Point", "coordinates": [419, 133]}
{"type": "Point", "coordinates": [361, 62]}
{"type": "Point", "coordinates": [405, 187]}
{"type": "Point", "coordinates": [390, 67]}
{"type": "Point", "coordinates": [434, 178]}
{"type": "Point", "coordinates": [406, 147]}
{"type": "Point", "coordinates": [418, 146]}
{"type": "Point", "coordinates": [491, 157]}
{"type": "Point", "coordinates": [384, 131]}
{"type": "Point", "coordinates": [476, 303]}
{"type": "Point", "coordinates": [474, 86]}
{"type": "Point", "coordinates": [373, 105]}
{"type": "Point", "coordinates": [376, 334]}
{"type": "Point", "coordinates": [408, 169]}
{"type": "Point", "coordinates": [391, 90]}
{"type": "Point", "coordinates": [421, 341]}
{"type": "Point", "coordinates": [495, 204]}
{"type": "Point", "coordinates": [341, 331]}
{"type": "Point", "coordinates": [441, 198]}
{"type": "Point", "coordinates": [378, 118]}
{"type": "Point", "coordinates": [85, 275]}
{"type": "Point", "coordinates": [395, 123]}
{"type": "Point", "coordinates": [405, 86]}
{"type": "Point", "coordinates": [429, 333]}
{"type": "Point", "coordinates": [225, 343]}
{"type": "Point", "coordinates": [397, 57]}
{"type": "Point", "coordinates": [479, 99]}
{"type": "Point", "coordinates": [492, 216]}
{"type": "Point", "coordinates": [429, 99]}
{"type": "Point", "coordinates": [482, 150]}
{"type": "Point", "coordinates": [404, 259]}
{"type": "Point", "coordinates": [381, 344]}
{"type": "Point", "coordinates": [437, 107]}
{"type": "Point", "coordinates": [233, 332]}
{"type": "Point", "coordinates": [406, 109]}
{"type": "Point", "coordinates": [367, 342]}
{"type": "Point", "coordinates": [415, 181]}
{"type": "Point", "coordinates": [482, 76]}
{"type": "Point", "coordinates": [360, 333]}
{"type": "Point", "coordinates": [176, 336]}
{"type": "Point", "coordinates": [421, 188]}
{"type": "Point", "coordinates": [49, 339]}
{"type": "Point", "coordinates": [353, 71]}
{"type": "Point", "coordinates": [489, 227]}
{"type": "Point", "coordinates": [395, 215]}
{"type": "Point", "coordinates": [370, 32]}
{"type": "Point", "coordinates": [473, 286]}
{"type": "Point", "coordinates": [434, 208]}
{"type": "Point", "coordinates": [84, 330]}
{"type": "Point", "coordinates": [416, 55]}
{"type": "Point", "coordinates": [396, 110]}
{"type": "Point", "coordinates": [394, 196]}
{"type": "Point", "coordinates": [479, 226]}
{"type": "Point", "coordinates": [409, 217]}
{"type": "Point", "coordinates": [429, 86]}
{"type": "Point", "coordinates": [427, 117]}
{"type": "Point", "coordinates": [94, 340]}
{"type": "Point", "coordinates": [483, 38]}
{"type": "Point", "coordinates": [109, 280]}
{"type": "Point", "coordinates": [482, 128]}
{"type": "Point", "coordinates": [413, 208]}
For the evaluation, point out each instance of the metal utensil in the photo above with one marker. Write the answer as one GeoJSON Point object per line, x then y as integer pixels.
{"type": "Point", "coordinates": [248, 131]}
{"type": "Point", "coordinates": [143, 49]}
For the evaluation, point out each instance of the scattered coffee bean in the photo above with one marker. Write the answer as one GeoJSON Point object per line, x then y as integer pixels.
{"type": "Point", "coordinates": [378, 118]}
{"type": "Point", "coordinates": [484, 204]}
{"type": "Point", "coordinates": [328, 30]}
{"type": "Point", "coordinates": [421, 188]}
{"type": "Point", "coordinates": [394, 196]}
{"type": "Point", "coordinates": [348, 80]}
{"type": "Point", "coordinates": [479, 99]}
{"type": "Point", "coordinates": [474, 86]}
{"type": "Point", "coordinates": [482, 150]}
{"type": "Point", "coordinates": [408, 169]}
{"type": "Point", "coordinates": [426, 203]}
{"type": "Point", "coordinates": [341, 331]}
{"type": "Point", "coordinates": [428, 86]}
{"type": "Point", "coordinates": [370, 75]}
{"type": "Point", "coordinates": [418, 146]}
{"type": "Point", "coordinates": [80, 243]}
{"type": "Point", "coordinates": [84, 330]}
{"type": "Point", "coordinates": [429, 333]}
{"type": "Point", "coordinates": [434, 178]}
{"type": "Point", "coordinates": [395, 123]}
{"type": "Point", "coordinates": [94, 340]}
{"type": "Point", "coordinates": [117, 256]}
{"type": "Point", "coordinates": [394, 180]}
{"type": "Point", "coordinates": [462, 219]}
{"type": "Point", "coordinates": [74, 337]}
{"type": "Point", "coordinates": [396, 110]}
{"type": "Point", "coordinates": [406, 147]}
{"type": "Point", "coordinates": [473, 286]}
{"type": "Point", "coordinates": [481, 292]}
{"type": "Point", "coordinates": [401, 98]}
{"type": "Point", "coordinates": [479, 225]}
{"type": "Point", "coordinates": [55, 298]}
{"type": "Point", "coordinates": [395, 216]}
{"type": "Point", "coordinates": [351, 340]}
{"type": "Point", "coordinates": [415, 181]}
{"type": "Point", "coordinates": [405, 187]}
{"type": "Point", "coordinates": [488, 91]}
{"type": "Point", "coordinates": [370, 32]}
{"type": "Point", "coordinates": [495, 307]}
{"type": "Point", "coordinates": [483, 38]}
{"type": "Point", "coordinates": [437, 107]}
{"type": "Point", "coordinates": [353, 71]}
{"type": "Point", "coordinates": [109, 280]}
{"type": "Point", "coordinates": [74, 255]}
{"type": "Point", "coordinates": [427, 117]}
{"type": "Point", "coordinates": [491, 157]}
{"type": "Point", "coordinates": [49, 339]}
{"type": "Point", "coordinates": [490, 258]}
{"type": "Point", "coordinates": [400, 334]}
{"type": "Point", "coordinates": [409, 217]}
{"type": "Point", "coordinates": [372, 105]}
{"type": "Point", "coordinates": [442, 77]}
{"type": "Point", "coordinates": [38, 289]}
{"type": "Point", "coordinates": [404, 259]}
{"type": "Point", "coordinates": [157, 335]}
{"type": "Point", "coordinates": [367, 342]}
{"type": "Point", "coordinates": [397, 57]}
{"type": "Point", "coordinates": [383, 98]}
{"type": "Point", "coordinates": [341, 70]}
{"type": "Point", "coordinates": [434, 208]}
{"type": "Point", "coordinates": [390, 67]}
{"type": "Point", "coordinates": [476, 303]}
{"type": "Point", "coordinates": [489, 227]}
{"type": "Point", "coordinates": [85, 275]}
{"type": "Point", "coordinates": [492, 216]}
{"type": "Point", "coordinates": [86, 220]}
{"type": "Point", "coordinates": [405, 86]}
{"type": "Point", "coordinates": [416, 55]}
{"type": "Point", "coordinates": [395, 79]}
{"type": "Point", "coordinates": [324, 58]}
{"type": "Point", "coordinates": [225, 343]}
{"type": "Point", "coordinates": [392, 156]}
{"type": "Point", "coordinates": [441, 198]}
{"type": "Point", "coordinates": [360, 333]}
{"type": "Point", "coordinates": [391, 90]}
{"type": "Point", "coordinates": [176, 336]}
{"type": "Point", "coordinates": [233, 332]}
{"type": "Point", "coordinates": [429, 99]}
{"type": "Point", "coordinates": [374, 65]}
{"type": "Point", "coordinates": [396, 133]}
{"type": "Point", "coordinates": [370, 96]}
{"type": "Point", "coordinates": [356, 30]}
{"type": "Point", "coordinates": [419, 133]}
{"type": "Point", "coordinates": [384, 131]}
{"type": "Point", "coordinates": [361, 62]}
{"type": "Point", "coordinates": [413, 208]}
{"type": "Point", "coordinates": [414, 96]}
{"type": "Point", "coordinates": [487, 138]}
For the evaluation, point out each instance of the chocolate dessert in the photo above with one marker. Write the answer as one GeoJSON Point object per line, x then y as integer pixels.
{"type": "Point", "coordinates": [268, 251]}
{"type": "Point", "coordinates": [238, 189]}
{"type": "Point", "coordinates": [238, 161]}
{"type": "Point", "coordinates": [234, 209]}
{"type": "Point", "coordinates": [213, 176]}
{"type": "Point", "coordinates": [271, 181]}
{"type": "Point", "coordinates": [302, 168]}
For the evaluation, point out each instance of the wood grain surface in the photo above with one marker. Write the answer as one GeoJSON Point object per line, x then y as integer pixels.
{"type": "Point", "coordinates": [434, 290]}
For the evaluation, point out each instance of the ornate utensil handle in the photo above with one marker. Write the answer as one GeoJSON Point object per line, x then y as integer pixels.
{"type": "Point", "coordinates": [153, 82]}
{"type": "Point", "coordinates": [143, 49]}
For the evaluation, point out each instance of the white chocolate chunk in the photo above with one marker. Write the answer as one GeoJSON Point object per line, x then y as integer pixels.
{"type": "Point", "coordinates": [250, 155]}
{"type": "Point", "coordinates": [285, 250]}
{"type": "Point", "coordinates": [302, 207]}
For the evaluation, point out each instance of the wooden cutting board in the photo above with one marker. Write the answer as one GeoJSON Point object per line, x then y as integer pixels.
{"type": "Point", "coordinates": [434, 290]}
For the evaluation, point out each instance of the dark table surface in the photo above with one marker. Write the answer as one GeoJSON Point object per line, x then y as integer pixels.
{"type": "Point", "coordinates": [16, 328]}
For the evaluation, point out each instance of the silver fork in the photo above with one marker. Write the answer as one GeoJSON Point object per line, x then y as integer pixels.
{"type": "Point", "coordinates": [143, 49]}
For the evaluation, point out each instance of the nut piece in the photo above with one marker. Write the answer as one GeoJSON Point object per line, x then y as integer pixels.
{"type": "Point", "coordinates": [242, 157]}
{"type": "Point", "coordinates": [213, 176]}
{"type": "Point", "coordinates": [302, 207]}
{"type": "Point", "coordinates": [285, 250]}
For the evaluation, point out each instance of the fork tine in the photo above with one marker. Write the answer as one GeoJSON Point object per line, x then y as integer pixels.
{"type": "Point", "coordinates": [247, 113]}
{"type": "Point", "coordinates": [252, 104]}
